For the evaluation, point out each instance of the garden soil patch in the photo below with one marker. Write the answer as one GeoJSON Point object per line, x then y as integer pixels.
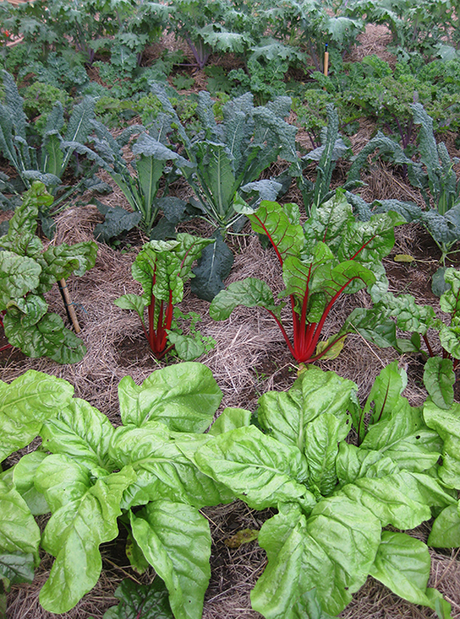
{"type": "Point", "coordinates": [250, 358]}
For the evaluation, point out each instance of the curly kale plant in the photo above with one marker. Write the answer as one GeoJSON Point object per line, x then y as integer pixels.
{"type": "Point", "coordinates": [27, 273]}
{"type": "Point", "coordinates": [330, 255]}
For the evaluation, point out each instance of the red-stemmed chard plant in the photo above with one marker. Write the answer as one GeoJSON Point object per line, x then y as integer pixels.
{"type": "Point", "coordinates": [330, 255]}
{"type": "Point", "coordinates": [162, 268]}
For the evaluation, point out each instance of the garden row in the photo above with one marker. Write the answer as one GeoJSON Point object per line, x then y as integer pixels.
{"type": "Point", "coordinates": [343, 479]}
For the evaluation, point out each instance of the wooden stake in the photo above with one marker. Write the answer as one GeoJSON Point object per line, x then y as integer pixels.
{"type": "Point", "coordinates": [326, 61]}
{"type": "Point", "coordinates": [68, 305]}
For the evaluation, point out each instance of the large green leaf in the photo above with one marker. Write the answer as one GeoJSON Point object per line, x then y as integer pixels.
{"type": "Point", "coordinates": [257, 468]}
{"type": "Point", "coordinates": [81, 432]}
{"type": "Point", "coordinates": [23, 480]}
{"type": "Point", "coordinates": [60, 261]}
{"type": "Point", "coordinates": [405, 438]}
{"type": "Point", "coordinates": [286, 415]}
{"type": "Point", "coordinates": [331, 550]}
{"type": "Point", "coordinates": [85, 512]}
{"type": "Point", "coordinates": [230, 419]}
{"type": "Point", "coordinates": [183, 396]}
{"type": "Point", "coordinates": [447, 424]}
{"type": "Point", "coordinates": [18, 530]}
{"type": "Point", "coordinates": [403, 565]}
{"type": "Point", "coordinates": [163, 470]}
{"type": "Point", "coordinates": [445, 532]}
{"type": "Point", "coordinates": [401, 499]}
{"type": "Point", "coordinates": [322, 438]}
{"type": "Point", "coordinates": [176, 541]}
{"type": "Point", "coordinates": [25, 404]}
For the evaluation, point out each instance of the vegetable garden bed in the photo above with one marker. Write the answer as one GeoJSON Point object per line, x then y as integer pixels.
{"type": "Point", "coordinates": [253, 368]}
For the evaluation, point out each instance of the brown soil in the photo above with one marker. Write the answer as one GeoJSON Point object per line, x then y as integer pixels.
{"type": "Point", "coordinates": [250, 358]}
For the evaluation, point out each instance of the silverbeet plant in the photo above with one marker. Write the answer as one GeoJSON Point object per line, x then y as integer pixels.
{"type": "Point", "coordinates": [330, 255]}
{"type": "Point", "coordinates": [379, 323]}
{"type": "Point", "coordinates": [162, 268]}
{"type": "Point", "coordinates": [27, 272]}
{"type": "Point", "coordinates": [93, 477]}
{"type": "Point", "coordinates": [335, 500]}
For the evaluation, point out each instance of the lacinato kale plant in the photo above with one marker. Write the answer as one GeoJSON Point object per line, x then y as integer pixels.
{"type": "Point", "coordinates": [331, 255]}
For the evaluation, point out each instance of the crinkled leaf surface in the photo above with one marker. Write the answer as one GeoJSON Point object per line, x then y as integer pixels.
{"type": "Point", "coordinates": [212, 269]}
{"type": "Point", "coordinates": [250, 292]}
{"type": "Point", "coordinates": [58, 262]}
{"type": "Point", "coordinates": [25, 404]}
{"type": "Point", "coordinates": [183, 396]}
{"type": "Point", "coordinates": [85, 512]}
{"type": "Point", "coordinates": [271, 220]}
{"type": "Point", "coordinates": [176, 540]}
{"type": "Point", "coordinates": [18, 275]}
{"type": "Point", "coordinates": [163, 470]}
{"type": "Point", "coordinates": [47, 337]}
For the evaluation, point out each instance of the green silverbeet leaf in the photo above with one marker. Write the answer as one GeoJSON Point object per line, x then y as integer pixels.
{"type": "Point", "coordinates": [447, 424]}
{"type": "Point", "coordinates": [403, 565]}
{"type": "Point", "coordinates": [322, 439]}
{"type": "Point", "coordinates": [164, 531]}
{"type": "Point", "coordinates": [445, 532]}
{"type": "Point", "coordinates": [184, 397]}
{"type": "Point", "coordinates": [286, 415]}
{"type": "Point", "coordinates": [250, 292]}
{"type": "Point", "coordinates": [405, 438]}
{"type": "Point", "coordinates": [401, 499]}
{"type": "Point", "coordinates": [230, 419]}
{"type": "Point", "coordinates": [23, 480]}
{"type": "Point", "coordinates": [439, 378]}
{"type": "Point", "coordinates": [18, 530]}
{"type": "Point", "coordinates": [18, 275]}
{"type": "Point", "coordinates": [257, 468]}
{"type": "Point", "coordinates": [163, 470]}
{"type": "Point", "coordinates": [62, 260]}
{"type": "Point", "coordinates": [84, 515]}
{"type": "Point", "coordinates": [81, 432]}
{"type": "Point", "coordinates": [25, 404]}
{"type": "Point", "coordinates": [332, 551]}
